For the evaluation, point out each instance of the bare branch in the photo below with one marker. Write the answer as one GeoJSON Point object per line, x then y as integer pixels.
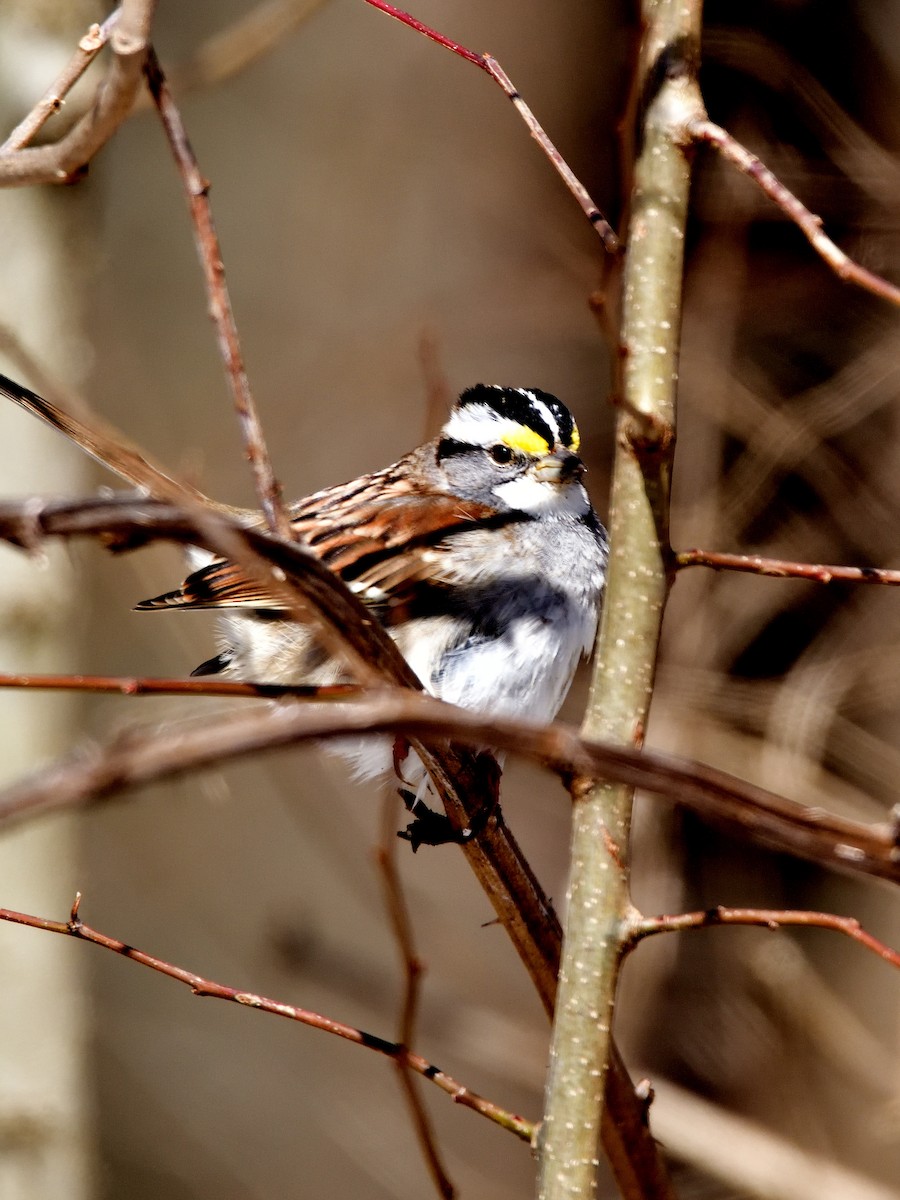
{"type": "Point", "coordinates": [438, 395]}
{"type": "Point", "coordinates": [704, 130]}
{"type": "Point", "coordinates": [139, 757]}
{"type": "Point", "coordinates": [495, 857]}
{"type": "Point", "coordinates": [55, 96]}
{"type": "Point", "coordinates": [224, 54]}
{"type": "Point", "coordinates": [200, 986]}
{"type": "Point", "coordinates": [767, 918]}
{"type": "Point", "coordinates": [779, 568]}
{"type": "Point", "coordinates": [268, 489]}
{"type": "Point", "coordinates": [61, 161]}
{"type": "Point", "coordinates": [491, 67]}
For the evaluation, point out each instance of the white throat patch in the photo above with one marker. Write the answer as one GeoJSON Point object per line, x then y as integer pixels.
{"type": "Point", "coordinates": [530, 495]}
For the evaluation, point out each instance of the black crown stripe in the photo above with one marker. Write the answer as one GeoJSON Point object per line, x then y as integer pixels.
{"type": "Point", "coordinates": [515, 405]}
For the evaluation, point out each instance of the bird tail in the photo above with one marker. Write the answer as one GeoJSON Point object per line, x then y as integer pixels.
{"type": "Point", "coordinates": [103, 442]}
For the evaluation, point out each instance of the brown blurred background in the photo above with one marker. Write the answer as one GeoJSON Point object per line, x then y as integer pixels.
{"type": "Point", "coordinates": [373, 194]}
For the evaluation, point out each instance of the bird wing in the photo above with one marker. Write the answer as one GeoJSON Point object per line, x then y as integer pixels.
{"type": "Point", "coordinates": [378, 534]}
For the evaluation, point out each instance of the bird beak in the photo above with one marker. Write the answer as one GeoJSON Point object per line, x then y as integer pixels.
{"type": "Point", "coordinates": [562, 466]}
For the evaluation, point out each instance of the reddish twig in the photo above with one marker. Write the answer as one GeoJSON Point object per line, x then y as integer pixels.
{"type": "Point", "coordinates": [767, 918]}
{"type": "Point", "coordinates": [704, 130]}
{"type": "Point", "coordinates": [61, 161]}
{"type": "Point", "coordinates": [200, 986]}
{"type": "Point", "coordinates": [142, 686]}
{"type": "Point", "coordinates": [491, 67]}
{"type": "Point", "coordinates": [413, 969]}
{"type": "Point", "coordinates": [780, 568]}
{"type": "Point", "coordinates": [268, 489]}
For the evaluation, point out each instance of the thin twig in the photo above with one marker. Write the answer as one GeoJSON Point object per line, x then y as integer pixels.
{"type": "Point", "coordinates": [268, 489]}
{"type": "Point", "coordinates": [221, 56]}
{"type": "Point", "coordinates": [779, 568]}
{"type": "Point", "coordinates": [859, 155]}
{"type": "Point", "coordinates": [768, 918]}
{"type": "Point", "coordinates": [200, 986]}
{"type": "Point", "coordinates": [143, 686]}
{"type": "Point", "coordinates": [491, 67]}
{"type": "Point", "coordinates": [55, 96]}
{"type": "Point", "coordinates": [413, 969]}
{"type": "Point", "coordinates": [704, 130]}
{"type": "Point", "coordinates": [61, 161]}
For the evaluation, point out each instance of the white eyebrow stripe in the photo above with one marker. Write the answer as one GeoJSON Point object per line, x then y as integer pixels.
{"type": "Point", "coordinates": [479, 425]}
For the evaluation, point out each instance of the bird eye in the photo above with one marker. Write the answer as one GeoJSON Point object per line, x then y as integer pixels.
{"type": "Point", "coordinates": [501, 454]}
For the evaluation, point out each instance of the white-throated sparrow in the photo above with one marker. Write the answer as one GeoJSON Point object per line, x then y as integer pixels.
{"type": "Point", "coordinates": [479, 551]}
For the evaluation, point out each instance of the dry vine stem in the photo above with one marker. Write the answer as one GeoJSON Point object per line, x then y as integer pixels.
{"type": "Point", "coordinates": [634, 602]}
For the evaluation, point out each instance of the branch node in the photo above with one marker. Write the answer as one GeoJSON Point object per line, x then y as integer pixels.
{"type": "Point", "coordinates": [125, 44]}
{"type": "Point", "coordinates": [644, 1093]}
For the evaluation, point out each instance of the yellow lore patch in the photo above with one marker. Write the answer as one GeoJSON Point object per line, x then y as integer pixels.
{"type": "Point", "coordinates": [575, 439]}
{"type": "Point", "coordinates": [520, 437]}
